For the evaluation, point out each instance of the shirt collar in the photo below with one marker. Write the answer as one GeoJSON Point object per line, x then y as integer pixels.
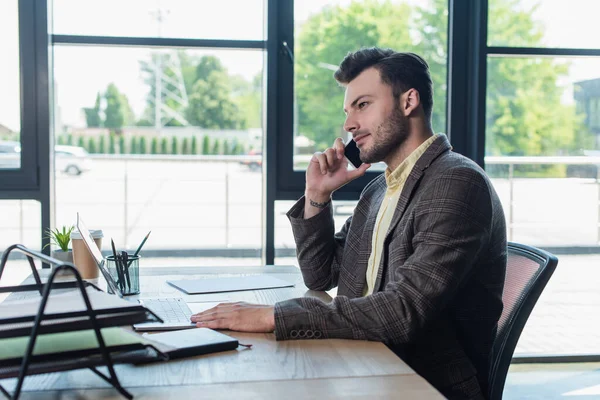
{"type": "Point", "coordinates": [398, 176]}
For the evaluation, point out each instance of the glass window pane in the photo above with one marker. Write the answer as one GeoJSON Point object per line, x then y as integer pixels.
{"type": "Point", "coordinates": [10, 114]}
{"type": "Point", "coordinates": [546, 107]}
{"type": "Point", "coordinates": [225, 19]}
{"type": "Point", "coordinates": [327, 30]}
{"type": "Point", "coordinates": [547, 23]}
{"type": "Point", "coordinates": [176, 152]}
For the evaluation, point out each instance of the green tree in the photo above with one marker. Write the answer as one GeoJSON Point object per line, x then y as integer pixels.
{"type": "Point", "coordinates": [164, 146]}
{"type": "Point", "coordinates": [194, 146]}
{"type": "Point", "coordinates": [185, 146]}
{"type": "Point", "coordinates": [205, 145]}
{"type": "Point", "coordinates": [102, 144]}
{"type": "Point", "coordinates": [174, 145]}
{"type": "Point", "coordinates": [216, 149]}
{"type": "Point", "coordinates": [143, 148]}
{"type": "Point", "coordinates": [81, 142]}
{"type": "Point", "coordinates": [70, 139]}
{"type": "Point", "coordinates": [111, 143]}
{"type": "Point", "coordinates": [92, 114]}
{"type": "Point", "coordinates": [154, 146]}
{"type": "Point", "coordinates": [61, 140]}
{"type": "Point", "coordinates": [91, 145]}
{"type": "Point", "coordinates": [122, 147]}
{"type": "Point", "coordinates": [118, 111]}
{"type": "Point", "coordinates": [133, 145]}
{"type": "Point", "coordinates": [211, 106]}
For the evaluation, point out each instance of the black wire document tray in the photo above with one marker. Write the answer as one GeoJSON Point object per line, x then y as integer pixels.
{"type": "Point", "coordinates": [61, 331]}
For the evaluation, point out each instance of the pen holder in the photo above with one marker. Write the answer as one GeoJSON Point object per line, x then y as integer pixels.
{"type": "Point", "coordinates": [127, 277]}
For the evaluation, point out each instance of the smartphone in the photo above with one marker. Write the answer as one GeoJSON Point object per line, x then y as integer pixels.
{"type": "Point", "coordinates": [352, 153]}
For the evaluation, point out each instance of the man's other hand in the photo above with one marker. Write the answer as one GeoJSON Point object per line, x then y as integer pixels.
{"type": "Point", "coordinates": [243, 317]}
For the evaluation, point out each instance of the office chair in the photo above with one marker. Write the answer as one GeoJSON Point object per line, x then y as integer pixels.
{"type": "Point", "coordinates": [528, 269]}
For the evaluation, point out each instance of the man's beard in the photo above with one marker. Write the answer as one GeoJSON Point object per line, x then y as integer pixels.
{"type": "Point", "coordinates": [388, 137]}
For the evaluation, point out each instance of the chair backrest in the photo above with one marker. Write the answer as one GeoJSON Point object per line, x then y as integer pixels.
{"type": "Point", "coordinates": [528, 269]}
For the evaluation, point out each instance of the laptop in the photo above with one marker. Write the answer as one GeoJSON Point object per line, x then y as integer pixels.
{"type": "Point", "coordinates": [173, 311]}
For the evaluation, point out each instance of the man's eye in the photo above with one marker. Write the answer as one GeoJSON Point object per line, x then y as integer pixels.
{"type": "Point", "coordinates": [362, 105]}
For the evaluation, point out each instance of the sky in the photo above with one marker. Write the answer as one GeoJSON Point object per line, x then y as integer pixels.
{"type": "Point", "coordinates": [80, 72]}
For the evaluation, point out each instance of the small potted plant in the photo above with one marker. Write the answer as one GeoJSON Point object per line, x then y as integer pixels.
{"type": "Point", "coordinates": [61, 238]}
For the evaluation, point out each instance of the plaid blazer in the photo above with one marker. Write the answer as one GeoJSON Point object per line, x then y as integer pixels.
{"type": "Point", "coordinates": [438, 293]}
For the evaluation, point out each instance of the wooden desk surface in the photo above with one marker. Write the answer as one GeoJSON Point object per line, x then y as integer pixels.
{"type": "Point", "coordinates": [299, 369]}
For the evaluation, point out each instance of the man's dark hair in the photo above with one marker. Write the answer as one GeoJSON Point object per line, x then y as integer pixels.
{"type": "Point", "coordinates": [402, 71]}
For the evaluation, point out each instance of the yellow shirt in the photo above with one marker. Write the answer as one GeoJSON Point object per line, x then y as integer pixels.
{"type": "Point", "coordinates": [395, 182]}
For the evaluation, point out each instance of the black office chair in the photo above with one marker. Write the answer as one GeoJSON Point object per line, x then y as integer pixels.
{"type": "Point", "coordinates": [528, 269]}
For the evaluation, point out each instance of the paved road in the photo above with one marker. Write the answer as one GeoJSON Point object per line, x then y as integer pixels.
{"type": "Point", "coordinates": [215, 205]}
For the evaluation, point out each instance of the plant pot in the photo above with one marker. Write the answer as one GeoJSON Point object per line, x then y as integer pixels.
{"type": "Point", "coordinates": [64, 256]}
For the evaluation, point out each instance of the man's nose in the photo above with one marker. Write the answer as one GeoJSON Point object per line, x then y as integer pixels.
{"type": "Point", "coordinates": [351, 125]}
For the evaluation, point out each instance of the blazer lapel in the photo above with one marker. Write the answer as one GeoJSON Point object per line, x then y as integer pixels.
{"type": "Point", "coordinates": [357, 268]}
{"type": "Point", "coordinates": [438, 147]}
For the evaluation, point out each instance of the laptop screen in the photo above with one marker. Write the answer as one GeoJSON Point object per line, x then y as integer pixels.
{"type": "Point", "coordinates": [97, 255]}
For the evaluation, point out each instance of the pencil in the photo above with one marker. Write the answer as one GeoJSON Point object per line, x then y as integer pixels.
{"type": "Point", "coordinates": [139, 248]}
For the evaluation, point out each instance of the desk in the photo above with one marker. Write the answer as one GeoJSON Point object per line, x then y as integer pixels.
{"type": "Point", "coordinates": [299, 369]}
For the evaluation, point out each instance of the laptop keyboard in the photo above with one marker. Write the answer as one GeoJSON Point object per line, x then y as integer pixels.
{"type": "Point", "coordinates": [169, 309]}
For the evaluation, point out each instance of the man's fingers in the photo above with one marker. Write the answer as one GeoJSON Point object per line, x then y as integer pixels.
{"type": "Point", "coordinates": [330, 156]}
{"type": "Point", "coordinates": [339, 147]}
{"type": "Point", "coordinates": [360, 171]}
{"type": "Point", "coordinates": [322, 159]}
{"type": "Point", "coordinates": [214, 324]}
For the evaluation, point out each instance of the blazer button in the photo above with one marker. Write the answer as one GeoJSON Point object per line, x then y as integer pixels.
{"type": "Point", "coordinates": [310, 334]}
{"type": "Point", "coordinates": [294, 334]}
{"type": "Point", "coordinates": [318, 334]}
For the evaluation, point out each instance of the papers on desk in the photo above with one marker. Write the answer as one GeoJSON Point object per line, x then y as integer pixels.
{"type": "Point", "coordinates": [229, 284]}
{"type": "Point", "coordinates": [67, 311]}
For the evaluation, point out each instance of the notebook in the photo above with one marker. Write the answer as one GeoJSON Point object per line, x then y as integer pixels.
{"type": "Point", "coordinates": [229, 284]}
{"type": "Point", "coordinates": [191, 342]}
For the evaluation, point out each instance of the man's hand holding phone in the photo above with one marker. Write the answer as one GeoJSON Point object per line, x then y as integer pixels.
{"type": "Point", "coordinates": [327, 172]}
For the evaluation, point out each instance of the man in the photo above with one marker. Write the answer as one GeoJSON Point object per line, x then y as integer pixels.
{"type": "Point", "coordinates": [420, 264]}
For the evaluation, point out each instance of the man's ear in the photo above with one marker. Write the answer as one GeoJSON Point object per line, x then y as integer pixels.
{"type": "Point", "coordinates": [410, 101]}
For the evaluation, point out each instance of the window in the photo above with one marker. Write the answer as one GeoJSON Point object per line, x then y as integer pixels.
{"type": "Point", "coordinates": [10, 115]}
{"type": "Point", "coordinates": [224, 19]}
{"type": "Point", "coordinates": [544, 23]}
{"type": "Point", "coordinates": [166, 152]}
{"type": "Point", "coordinates": [324, 32]}
{"type": "Point", "coordinates": [541, 96]}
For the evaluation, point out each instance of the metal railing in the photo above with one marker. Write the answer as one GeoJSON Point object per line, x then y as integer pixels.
{"type": "Point", "coordinates": [127, 161]}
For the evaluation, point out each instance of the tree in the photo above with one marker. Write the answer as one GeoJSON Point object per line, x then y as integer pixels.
{"type": "Point", "coordinates": [194, 149]}
{"type": "Point", "coordinates": [122, 147]}
{"type": "Point", "coordinates": [211, 106]}
{"type": "Point", "coordinates": [143, 148]}
{"type": "Point", "coordinates": [118, 111]}
{"type": "Point", "coordinates": [102, 144]}
{"type": "Point", "coordinates": [91, 145]}
{"type": "Point", "coordinates": [92, 115]}
{"type": "Point", "coordinates": [133, 145]}
{"type": "Point", "coordinates": [174, 145]}
{"type": "Point", "coordinates": [205, 145]}
{"type": "Point", "coordinates": [164, 146]}
{"type": "Point", "coordinates": [111, 143]}
{"type": "Point", "coordinates": [216, 147]}
{"type": "Point", "coordinates": [154, 146]}
{"type": "Point", "coordinates": [185, 146]}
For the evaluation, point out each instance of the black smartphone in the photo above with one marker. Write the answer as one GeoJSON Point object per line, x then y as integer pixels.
{"type": "Point", "coordinates": [352, 153]}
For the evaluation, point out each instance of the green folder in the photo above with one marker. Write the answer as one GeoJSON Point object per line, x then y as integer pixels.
{"type": "Point", "coordinates": [68, 344]}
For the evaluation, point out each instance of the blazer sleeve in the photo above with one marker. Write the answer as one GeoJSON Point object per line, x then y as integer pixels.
{"type": "Point", "coordinates": [452, 223]}
{"type": "Point", "coordinates": [318, 249]}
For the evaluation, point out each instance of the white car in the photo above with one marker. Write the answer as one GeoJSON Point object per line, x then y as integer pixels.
{"type": "Point", "coordinates": [72, 160]}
